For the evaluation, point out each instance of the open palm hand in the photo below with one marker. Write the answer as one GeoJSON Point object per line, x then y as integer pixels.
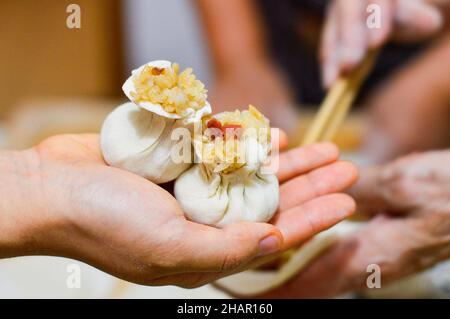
{"type": "Point", "coordinates": [134, 229]}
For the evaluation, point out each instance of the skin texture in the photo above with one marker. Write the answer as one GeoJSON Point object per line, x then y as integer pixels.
{"type": "Point", "coordinates": [409, 232]}
{"type": "Point", "coordinates": [403, 107]}
{"type": "Point", "coordinates": [63, 200]}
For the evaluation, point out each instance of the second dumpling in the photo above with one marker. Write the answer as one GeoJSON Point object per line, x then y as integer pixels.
{"type": "Point", "coordinates": [228, 184]}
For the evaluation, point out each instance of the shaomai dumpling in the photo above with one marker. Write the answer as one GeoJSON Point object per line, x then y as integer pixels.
{"type": "Point", "coordinates": [228, 183]}
{"type": "Point", "coordinates": [139, 136]}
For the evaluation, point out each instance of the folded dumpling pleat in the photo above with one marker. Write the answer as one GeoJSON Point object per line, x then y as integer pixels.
{"type": "Point", "coordinates": [218, 200]}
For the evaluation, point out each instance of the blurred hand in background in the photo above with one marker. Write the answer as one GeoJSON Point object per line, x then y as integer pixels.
{"type": "Point", "coordinates": [410, 230]}
{"type": "Point", "coordinates": [259, 84]}
{"type": "Point", "coordinates": [244, 72]}
{"type": "Point", "coordinates": [347, 37]}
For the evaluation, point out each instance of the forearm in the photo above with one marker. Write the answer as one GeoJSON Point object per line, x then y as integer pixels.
{"type": "Point", "coordinates": [411, 110]}
{"type": "Point", "coordinates": [234, 32]}
{"type": "Point", "coordinates": [11, 210]}
{"type": "Point", "coordinates": [25, 219]}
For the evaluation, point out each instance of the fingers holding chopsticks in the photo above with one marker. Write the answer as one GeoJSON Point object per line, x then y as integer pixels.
{"type": "Point", "coordinates": [345, 37]}
{"type": "Point", "coordinates": [353, 27]}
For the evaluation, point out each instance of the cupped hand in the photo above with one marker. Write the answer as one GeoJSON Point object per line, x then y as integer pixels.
{"type": "Point", "coordinates": [129, 227]}
{"type": "Point", "coordinates": [410, 233]}
{"type": "Point", "coordinates": [351, 29]}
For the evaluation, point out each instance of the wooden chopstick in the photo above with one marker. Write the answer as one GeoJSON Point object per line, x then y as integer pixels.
{"type": "Point", "coordinates": [337, 103]}
{"type": "Point", "coordinates": [334, 109]}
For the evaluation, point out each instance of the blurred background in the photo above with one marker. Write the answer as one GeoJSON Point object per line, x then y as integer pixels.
{"type": "Point", "coordinates": [68, 79]}
{"type": "Point", "coordinates": [54, 79]}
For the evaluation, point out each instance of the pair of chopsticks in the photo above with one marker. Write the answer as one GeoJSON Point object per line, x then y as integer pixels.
{"type": "Point", "coordinates": [337, 103]}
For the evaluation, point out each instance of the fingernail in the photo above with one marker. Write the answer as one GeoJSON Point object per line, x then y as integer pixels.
{"type": "Point", "coordinates": [330, 74]}
{"type": "Point", "coordinates": [344, 213]}
{"type": "Point", "coordinates": [436, 20]}
{"type": "Point", "coordinates": [269, 245]}
{"type": "Point", "coordinates": [347, 211]}
{"type": "Point", "coordinates": [377, 37]}
{"type": "Point", "coordinates": [352, 56]}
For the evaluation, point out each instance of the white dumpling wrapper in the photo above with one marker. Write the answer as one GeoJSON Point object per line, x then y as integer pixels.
{"type": "Point", "coordinates": [140, 141]}
{"type": "Point", "coordinates": [225, 188]}
{"type": "Point", "coordinates": [221, 199]}
{"type": "Point", "coordinates": [191, 115]}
